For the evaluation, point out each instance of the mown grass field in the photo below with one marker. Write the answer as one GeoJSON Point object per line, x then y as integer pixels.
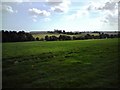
{"type": "Point", "coordinates": [61, 64]}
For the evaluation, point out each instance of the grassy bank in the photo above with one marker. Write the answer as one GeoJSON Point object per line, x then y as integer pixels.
{"type": "Point", "coordinates": [59, 64]}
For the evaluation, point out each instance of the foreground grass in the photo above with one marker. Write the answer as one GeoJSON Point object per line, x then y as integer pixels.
{"type": "Point", "coordinates": [59, 64]}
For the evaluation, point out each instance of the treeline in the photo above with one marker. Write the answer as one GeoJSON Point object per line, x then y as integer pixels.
{"type": "Point", "coordinates": [70, 32]}
{"type": "Point", "coordinates": [87, 36]}
{"type": "Point", "coordinates": [13, 36]}
{"type": "Point", "coordinates": [60, 38]}
{"type": "Point", "coordinates": [63, 32]}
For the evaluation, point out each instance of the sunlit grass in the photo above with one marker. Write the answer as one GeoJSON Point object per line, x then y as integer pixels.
{"type": "Point", "coordinates": [59, 64]}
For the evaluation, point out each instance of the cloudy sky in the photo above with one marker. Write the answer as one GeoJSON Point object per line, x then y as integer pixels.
{"type": "Point", "coordinates": [70, 15]}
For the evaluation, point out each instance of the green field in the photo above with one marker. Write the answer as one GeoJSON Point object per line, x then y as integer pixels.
{"type": "Point", "coordinates": [61, 64]}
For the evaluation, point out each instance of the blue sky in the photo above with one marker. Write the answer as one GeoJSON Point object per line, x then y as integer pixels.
{"type": "Point", "coordinates": [69, 15]}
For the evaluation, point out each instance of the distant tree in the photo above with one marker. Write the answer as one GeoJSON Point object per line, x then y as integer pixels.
{"type": "Point", "coordinates": [57, 31]}
{"type": "Point", "coordinates": [118, 34]}
{"type": "Point", "coordinates": [88, 36]}
{"type": "Point", "coordinates": [76, 33]}
{"type": "Point", "coordinates": [79, 32]}
{"type": "Point", "coordinates": [37, 38]}
{"type": "Point", "coordinates": [41, 39]}
{"type": "Point", "coordinates": [102, 36]}
{"type": "Point", "coordinates": [63, 31]}
{"type": "Point", "coordinates": [96, 37]}
{"type": "Point", "coordinates": [29, 37]}
{"type": "Point", "coordinates": [0, 36]}
{"type": "Point", "coordinates": [70, 33]}
{"type": "Point", "coordinates": [113, 36]}
{"type": "Point", "coordinates": [53, 38]}
{"type": "Point", "coordinates": [13, 36]}
{"type": "Point", "coordinates": [74, 38]}
{"type": "Point", "coordinates": [61, 37]}
{"type": "Point", "coordinates": [64, 37]}
{"type": "Point", "coordinates": [106, 35]}
{"type": "Point", "coordinates": [50, 32]}
{"type": "Point", "coordinates": [46, 38]}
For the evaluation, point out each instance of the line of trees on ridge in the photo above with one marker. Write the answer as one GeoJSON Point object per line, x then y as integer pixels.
{"type": "Point", "coordinates": [13, 36]}
{"type": "Point", "coordinates": [87, 36]}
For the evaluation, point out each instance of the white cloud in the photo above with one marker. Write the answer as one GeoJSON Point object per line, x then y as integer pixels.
{"type": "Point", "coordinates": [115, 0]}
{"type": "Point", "coordinates": [109, 6]}
{"type": "Point", "coordinates": [18, 1]}
{"type": "Point", "coordinates": [78, 14]}
{"type": "Point", "coordinates": [108, 10]}
{"type": "Point", "coordinates": [34, 16]}
{"type": "Point", "coordinates": [94, 5]}
{"type": "Point", "coordinates": [36, 11]}
{"type": "Point", "coordinates": [34, 20]}
{"type": "Point", "coordinates": [110, 17]}
{"type": "Point", "coordinates": [107, 13]}
{"type": "Point", "coordinates": [47, 19]}
{"type": "Point", "coordinates": [6, 8]}
{"type": "Point", "coordinates": [54, 2]}
{"type": "Point", "coordinates": [83, 12]}
{"type": "Point", "coordinates": [59, 6]}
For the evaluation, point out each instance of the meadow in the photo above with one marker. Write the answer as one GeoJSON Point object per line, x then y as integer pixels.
{"type": "Point", "coordinates": [61, 64]}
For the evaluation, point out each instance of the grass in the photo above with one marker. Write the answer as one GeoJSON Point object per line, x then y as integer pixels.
{"type": "Point", "coordinates": [61, 64]}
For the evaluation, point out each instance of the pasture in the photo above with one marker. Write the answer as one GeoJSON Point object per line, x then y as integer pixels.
{"type": "Point", "coordinates": [61, 64]}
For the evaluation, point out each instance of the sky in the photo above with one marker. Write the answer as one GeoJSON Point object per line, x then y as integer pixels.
{"type": "Point", "coordinates": [68, 15]}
